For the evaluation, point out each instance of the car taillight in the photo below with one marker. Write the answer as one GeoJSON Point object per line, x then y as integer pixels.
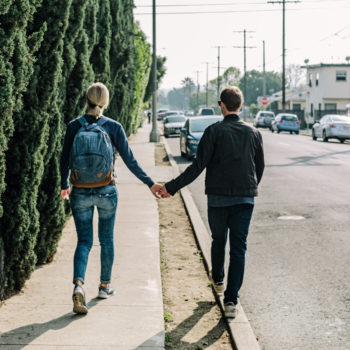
{"type": "Point", "coordinates": [281, 121]}
{"type": "Point", "coordinates": [331, 125]}
{"type": "Point", "coordinates": [298, 122]}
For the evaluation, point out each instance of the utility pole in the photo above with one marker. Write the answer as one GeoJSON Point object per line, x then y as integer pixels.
{"type": "Point", "coordinates": [283, 2]}
{"type": "Point", "coordinates": [206, 87]}
{"type": "Point", "coordinates": [197, 71]}
{"type": "Point", "coordinates": [245, 47]}
{"type": "Point", "coordinates": [264, 72]}
{"type": "Point", "coordinates": [219, 80]}
{"type": "Point", "coordinates": [154, 136]}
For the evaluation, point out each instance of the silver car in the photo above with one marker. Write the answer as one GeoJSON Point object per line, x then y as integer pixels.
{"type": "Point", "coordinates": [332, 127]}
{"type": "Point", "coordinates": [264, 119]}
{"type": "Point", "coordinates": [173, 125]}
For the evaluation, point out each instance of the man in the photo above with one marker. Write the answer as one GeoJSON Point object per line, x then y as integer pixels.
{"type": "Point", "coordinates": [232, 153]}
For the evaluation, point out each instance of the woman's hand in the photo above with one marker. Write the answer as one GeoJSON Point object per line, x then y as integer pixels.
{"type": "Point", "coordinates": [65, 194]}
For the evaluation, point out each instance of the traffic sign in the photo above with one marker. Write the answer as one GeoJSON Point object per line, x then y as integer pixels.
{"type": "Point", "coordinates": [264, 101]}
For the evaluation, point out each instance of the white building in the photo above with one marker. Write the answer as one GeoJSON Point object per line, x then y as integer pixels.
{"type": "Point", "coordinates": [328, 88]}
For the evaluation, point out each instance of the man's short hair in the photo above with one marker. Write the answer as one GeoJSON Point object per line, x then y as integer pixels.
{"type": "Point", "coordinates": [232, 97]}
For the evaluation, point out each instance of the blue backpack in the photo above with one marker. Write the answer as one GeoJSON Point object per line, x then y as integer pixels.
{"type": "Point", "coordinates": [91, 156]}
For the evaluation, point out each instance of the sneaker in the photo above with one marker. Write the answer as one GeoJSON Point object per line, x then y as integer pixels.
{"type": "Point", "coordinates": [105, 292]}
{"type": "Point", "coordinates": [79, 301]}
{"type": "Point", "coordinates": [230, 310]}
{"type": "Point", "coordinates": [218, 286]}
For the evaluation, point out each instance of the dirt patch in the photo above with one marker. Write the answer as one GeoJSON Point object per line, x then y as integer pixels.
{"type": "Point", "coordinates": [192, 318]}
{"type": "Point", "coordinates": [161, 155]}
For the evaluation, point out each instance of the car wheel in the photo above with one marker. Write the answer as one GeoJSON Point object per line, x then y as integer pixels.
{"type": "Point", "coordinates": [313, 135]}
{"type": "Point", "coordinates": [342, 140]}
{"type": "Point", "coordinates": [278, 131]}
{"type": "Point", "coordinates": [271, 129]}
{"type": "Point", "coordinates": [183, 154]}
{"type": "Point", "coordinates": [166, 135]}
{"type": "Point", "coordinates": [297, 132]}
{"type": "Point", "coordinates": [324, 136]}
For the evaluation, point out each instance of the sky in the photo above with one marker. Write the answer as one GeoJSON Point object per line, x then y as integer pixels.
{"type": "Point", "coordinates": [189, 33]}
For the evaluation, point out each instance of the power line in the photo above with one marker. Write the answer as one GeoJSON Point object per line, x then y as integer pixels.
{"type": "Point", "coordinates": [231, 3]}
{"type": "Point", "coordinates": [239, 11]}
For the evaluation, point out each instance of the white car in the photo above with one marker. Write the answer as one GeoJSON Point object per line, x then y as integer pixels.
{"type": "Point", "coordinates": [173, 124]}
{"type": "Point", "coordinates": [264, 119]}
{"type": "Point", "coordinates": [332, 127]}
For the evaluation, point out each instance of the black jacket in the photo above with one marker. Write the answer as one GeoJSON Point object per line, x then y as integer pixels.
{"type": "Point", "coordinates": [232, 152]}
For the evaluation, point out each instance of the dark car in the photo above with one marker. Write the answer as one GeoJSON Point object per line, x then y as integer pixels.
{"type": "Point", "coordinates": [286, 122]}
{"type": "Point", "coordinates": [192, 132]}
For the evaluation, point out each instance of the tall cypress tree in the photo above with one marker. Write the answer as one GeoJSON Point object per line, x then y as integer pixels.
{"type": "Point", "coordinates": [143, 63]}
{"type": "Point", "coordinates": [100, 55]}
{"type": "Point", "coordinates": [50, 205]}
{"type": "Point", "coordinates": [17, 49]}
{"type": "Point", "coordinates": [28, 146]}
{"type": "Point", "coordinates": [122, 59]}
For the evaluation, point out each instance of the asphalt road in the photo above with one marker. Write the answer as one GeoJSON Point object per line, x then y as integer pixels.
{"type": "Point", "coordinates": [296, 291]}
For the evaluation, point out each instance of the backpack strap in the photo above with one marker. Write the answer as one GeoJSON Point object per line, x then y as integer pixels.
{"type": "Point", "coordinates": [82, 120]}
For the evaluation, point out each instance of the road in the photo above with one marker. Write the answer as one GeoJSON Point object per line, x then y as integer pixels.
{"type": "Point", "coordinates": [296, 291]}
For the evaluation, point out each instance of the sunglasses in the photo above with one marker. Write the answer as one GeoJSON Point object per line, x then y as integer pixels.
{"type": "Point", "coordinates": [219, 103]}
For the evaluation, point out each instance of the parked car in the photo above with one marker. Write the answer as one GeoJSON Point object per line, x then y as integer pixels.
{"type": "Point", "coordinates": [173, 125]}
{"type": "Point", "coordinates": [286, 122]}
{"type": "Point", "coordinates": [206, 111]}
{"type": "Point", "coordinates": [332, 127]}
{"type": "Point", "coordinates": [161, 113]}
{"type": "Point", "coordinates": [169, 113]}
{"type": "Point", "coordinates": [192, 132]}
{"type": "Point", "coordinates": [264, 119]}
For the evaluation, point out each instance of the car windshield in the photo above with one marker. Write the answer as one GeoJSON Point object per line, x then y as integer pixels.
{"type": "Point", "coordinates": [289, 118]}
{"type": "Point", "coordinates": [267, 115]}
{"type": "Point", "coordinates": [341, 119]}
{"type": "Point", "coordinates": [171, 113]}
{"type": "Point", "coordinates": [177, 119]}
{"type": "Point", "coordinates": [207, 111]}
{"type": "Point", "coordinates": [199, 125]}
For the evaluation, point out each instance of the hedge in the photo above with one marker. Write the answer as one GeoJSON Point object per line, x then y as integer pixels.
{"type": "Point", "coordinates": [50, 52]}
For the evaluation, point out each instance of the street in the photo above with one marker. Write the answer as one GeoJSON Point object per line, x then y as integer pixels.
{"type": "Point", "coordinates": [296, 291]}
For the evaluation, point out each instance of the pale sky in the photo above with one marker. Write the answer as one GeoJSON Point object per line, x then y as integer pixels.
{"type": "Point", "coordinates": [315, 29]}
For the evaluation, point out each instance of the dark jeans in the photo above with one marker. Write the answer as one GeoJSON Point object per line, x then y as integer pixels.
{"type": "Point", "coordinates": [83, 201]}
{"type": "Point", "coordinates": [235, 220]}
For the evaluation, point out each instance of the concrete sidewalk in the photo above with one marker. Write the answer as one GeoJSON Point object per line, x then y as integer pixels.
{"type": "Point", "coordinates": [41, 316]}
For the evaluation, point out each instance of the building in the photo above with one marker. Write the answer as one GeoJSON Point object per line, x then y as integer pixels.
{"type": "Point", "coordinates": [295, 99]}
{"type": "Point", "coordinates": [328, 89]}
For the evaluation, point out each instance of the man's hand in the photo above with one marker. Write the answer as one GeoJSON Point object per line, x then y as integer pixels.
{"type": "Point", "coordinates": [155, 189]}
{"type": "Point", "coordinates": [164, 193]}
{"type": "Point", "coordinates": [65, 194]}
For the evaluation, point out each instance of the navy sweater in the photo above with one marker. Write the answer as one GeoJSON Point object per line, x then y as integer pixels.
{"type": "Point", "coordinates": [119, 141]}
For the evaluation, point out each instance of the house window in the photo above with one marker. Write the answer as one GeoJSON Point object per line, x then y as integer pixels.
{"type": "Point", "coordinates": [312, 109]}
{"type": "Point", "coordinates": [317, 78]}
{"type": "Point", "coordinates": [310, 79]}
{"type": "Point", "coordinates": [330, 106]}
{"type": "Point", "coordinates": [296, 107]}
{"type": "Point", "coordinates": [340, 75]}
{"type": "Point", "coordinates": [319, 106]}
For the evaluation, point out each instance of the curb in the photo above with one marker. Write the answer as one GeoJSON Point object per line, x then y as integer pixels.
{"type": "Point", "coordinates": [240, 330]}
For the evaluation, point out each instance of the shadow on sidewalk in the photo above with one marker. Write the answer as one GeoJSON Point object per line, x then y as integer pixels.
{"type": "Point", "coordinates": [20, 337]}
{"type": "Point", "coordinates": [174, 337]}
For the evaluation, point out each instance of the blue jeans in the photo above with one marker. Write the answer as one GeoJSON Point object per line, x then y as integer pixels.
{"type": "Point", "coordinates": [235, 220]}
{"type": "Point", "coordinates": [83, 202]}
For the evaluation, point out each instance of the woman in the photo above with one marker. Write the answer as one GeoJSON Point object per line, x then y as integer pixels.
{"type": "Point", "coordinates": [101, 194]}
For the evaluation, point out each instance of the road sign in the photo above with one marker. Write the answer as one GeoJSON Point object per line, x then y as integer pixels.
{"type": "Point", "coordinates": [264, 101]}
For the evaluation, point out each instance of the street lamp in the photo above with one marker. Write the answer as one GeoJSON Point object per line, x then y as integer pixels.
{"type": "Point", "coordinates": [154, 136]}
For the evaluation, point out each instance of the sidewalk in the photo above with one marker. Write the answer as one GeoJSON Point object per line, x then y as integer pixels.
{"type": "Point", "coordinates": [41, 316]}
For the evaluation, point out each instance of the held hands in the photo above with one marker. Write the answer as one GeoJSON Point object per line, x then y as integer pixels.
{"type": "Point", "coordinates": [159, 191]}
{"type": "Point", "coordinates": [65, 194]}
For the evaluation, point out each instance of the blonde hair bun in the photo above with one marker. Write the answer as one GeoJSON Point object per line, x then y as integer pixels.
{"type": "Point", "coordinates": [97, 98]}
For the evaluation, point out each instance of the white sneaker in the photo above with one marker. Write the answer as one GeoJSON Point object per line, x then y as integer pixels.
{"type": "Point", "coordinates": [230, 310]}
{"type": "Point", "coordinates": [105, 292]}
{"type": "Point", "coordinates": [218, 286]}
